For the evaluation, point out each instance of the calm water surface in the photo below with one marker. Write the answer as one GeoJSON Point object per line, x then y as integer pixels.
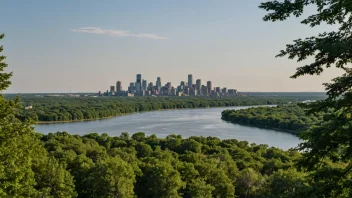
{"type": "Point", "coordinates": [186, 122]}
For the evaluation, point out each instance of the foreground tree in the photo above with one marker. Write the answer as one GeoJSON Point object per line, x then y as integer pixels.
{"type": "Point", "coordinates": [52, 180]}
{"type": "Point", "coordinates": [16, 142]}
{"type": "Point", "coordinates": [332, 141]}
{"type": "Point", "coordinates": [114, 177]}
{"type": "Point", "coordinates": [159, 179]}
{"type": "Point", "coordinates": [26, 170]}
{"type": "Point", "coordinates": [249, 182]}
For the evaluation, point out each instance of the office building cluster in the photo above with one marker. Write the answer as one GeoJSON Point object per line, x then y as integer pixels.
{"type": "Point", "coordinates": [141, 88]}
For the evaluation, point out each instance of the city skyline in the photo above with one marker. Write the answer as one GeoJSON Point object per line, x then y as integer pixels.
{"type": "Point", "coordinates": [141, 87]}
{"type": "Point", "coordinates": [94, 42]}
{"type": "Point", "coordinates": [125, 85]}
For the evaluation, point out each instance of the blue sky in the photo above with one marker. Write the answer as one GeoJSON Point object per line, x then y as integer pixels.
{"type": "Point", "coordinates": [223, 41]}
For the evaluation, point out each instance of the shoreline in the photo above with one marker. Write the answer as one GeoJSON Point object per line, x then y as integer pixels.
{"type": "Point", "coordinates": [88, 120]}
{"type": "Point", "coordinates": [84, 120]}
{"type": "Point", "coordinates": [269, 128]}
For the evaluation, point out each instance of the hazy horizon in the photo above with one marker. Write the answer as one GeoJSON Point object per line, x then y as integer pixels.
{"type": "Point", "coordinates": [86, 46]}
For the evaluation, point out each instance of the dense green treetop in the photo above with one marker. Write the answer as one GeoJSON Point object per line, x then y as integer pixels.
{"type": "Point", "coordinates": [331, 140]}
{"type": "Point", "coordinates": [26, 169]}
{"type": "Point", "coordinates": [289, 118]}
{"type": "Point", "coordinates": [147, 166]}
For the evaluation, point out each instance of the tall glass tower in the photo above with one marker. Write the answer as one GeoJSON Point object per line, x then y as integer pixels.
{"type": "Point", "coordinates": [139, 78]}
{"type": "Point", "coordinates": [190, 80]}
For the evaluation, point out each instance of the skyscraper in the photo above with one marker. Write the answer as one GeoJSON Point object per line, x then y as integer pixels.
{"type": "Point", "coordinates": [139, 78]}
{"type": "Point", "coordinates": [199, 86]}
{"type": "Point", "coordinates": [118, 86]}
{"type": "Point", "coordinates": [217, 89]}
{"type": "Point", "coordinates": [131, 88]}
{"type": "Point", "coordinates": [190, 80]}
{"type": "Point", "coordinates": [138, 85]}
{"type": "Point", "coordinates": [112, 88]}
{"type": "Point", "coordinates": [204, 90]}
{"type": "Point", "coordinates": [209, 86]}
{"type": "Point", "coordinates": [144, 85]}
{"type": "Point", "coordinates": [168, 85]}
{"type": "Point", "coordinates": [158, 82]}
{"type": "Point", "coordinates": [150, 86]}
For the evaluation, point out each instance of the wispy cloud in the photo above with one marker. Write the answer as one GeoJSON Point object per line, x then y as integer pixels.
{"type": "Point", "coordinates": [116, 33]}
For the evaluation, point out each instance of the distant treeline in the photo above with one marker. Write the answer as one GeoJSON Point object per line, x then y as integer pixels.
{"type": "Point", "coordinates": [301, 96]}
{"type": "Point", "coordinates": [290, 118]}
{"type": "Point", "coordinates": [89, 108]}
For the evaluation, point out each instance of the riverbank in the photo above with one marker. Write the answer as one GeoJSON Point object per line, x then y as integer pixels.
{"type": "Point", "coordinates": [291, 118]}
{"type": "Point", "coordinates": [84, 120]}
{"type": "Point", "coordinates": [265, 127]}
{"type": "Point", "coordinates": [56, 110]}
{"type": "Point", "coordinates": [185, 122]}
{"type": "Point", "coordinates": [69, 121]}
{"type": "Point", "coordinates": [89, 120]}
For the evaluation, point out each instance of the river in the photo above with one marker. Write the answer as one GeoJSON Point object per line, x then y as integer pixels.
{"type": "Point", "coordinates": [186, 122]}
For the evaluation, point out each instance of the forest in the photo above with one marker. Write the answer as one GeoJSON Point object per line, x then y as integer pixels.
{"type": "Point", "coordinates": [289, 118]}
{"type": "Point", "coordinates": [51, 109]}
{"type": "Point", "coordinates": [97, 165]}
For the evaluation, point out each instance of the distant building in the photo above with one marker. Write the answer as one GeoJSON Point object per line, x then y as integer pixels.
{"type": "Point", "coordinates": [150, 87]}
{"type": "Point", "coordinates": [232, 92]}
{"type": "Point", "coordinates": [224, 90]}
{"type": "Point", "coordinates": [173, 91]}
{"type": "Point", "coordinates": [138, 87]}
{"type": "Point", "coordinates": [139, 78]}
{"type": "Point", "coordinates": [213, 93]}
{"type": "Point", "coordinates": [217, 90]}
{"type": "Point", "coordinates": [192, 92]}
{"type": "Point", "coordinates": [196, 93]}
{"type": "Point", "coordinates": [122, 93]}
{"type": "Point", "coordinates": [28, 107]}
{"type": "Point", "coordinates": [118, 86]}
{"type": "Point", "coordinates": [131, 88]}
{"type": "Point", "coordinates": [144, 85]}
{"type": "Point", "coordinates": [209, 86]}
{"type": "Point", "coordinates": [190, 80]}
{"type": "Point", "coordinates": [179, 88]}
{"type": "Point", "coordinates": [186, 92]}
{"type": "Point", "coordinates": [199, 86]}
{"type": "Point", "coordinates": [164, 91]}
{"type": "Point", "coordinates": [158, 83]}
{"type": "Point", "coordinates": [112, 88]}
{"type": "Point", "coordinates": [204, 90]}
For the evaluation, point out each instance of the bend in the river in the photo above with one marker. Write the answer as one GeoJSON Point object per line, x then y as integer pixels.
{"type": "Point", "coordinates": [185, 122]}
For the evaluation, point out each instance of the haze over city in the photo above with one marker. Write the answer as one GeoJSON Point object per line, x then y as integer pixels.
{"type": "Point", "coordinates": [84, 46]}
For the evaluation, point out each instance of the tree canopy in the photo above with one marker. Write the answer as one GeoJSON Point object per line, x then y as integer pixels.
{"type": "Point", "coordinates": [26, 170]}
{"type": "Point", "coordinates": [288, 118]}
{"type": "Point", "coordinates": [147, 166]}
{"type": "Point", "coordinates": [332, 140]}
